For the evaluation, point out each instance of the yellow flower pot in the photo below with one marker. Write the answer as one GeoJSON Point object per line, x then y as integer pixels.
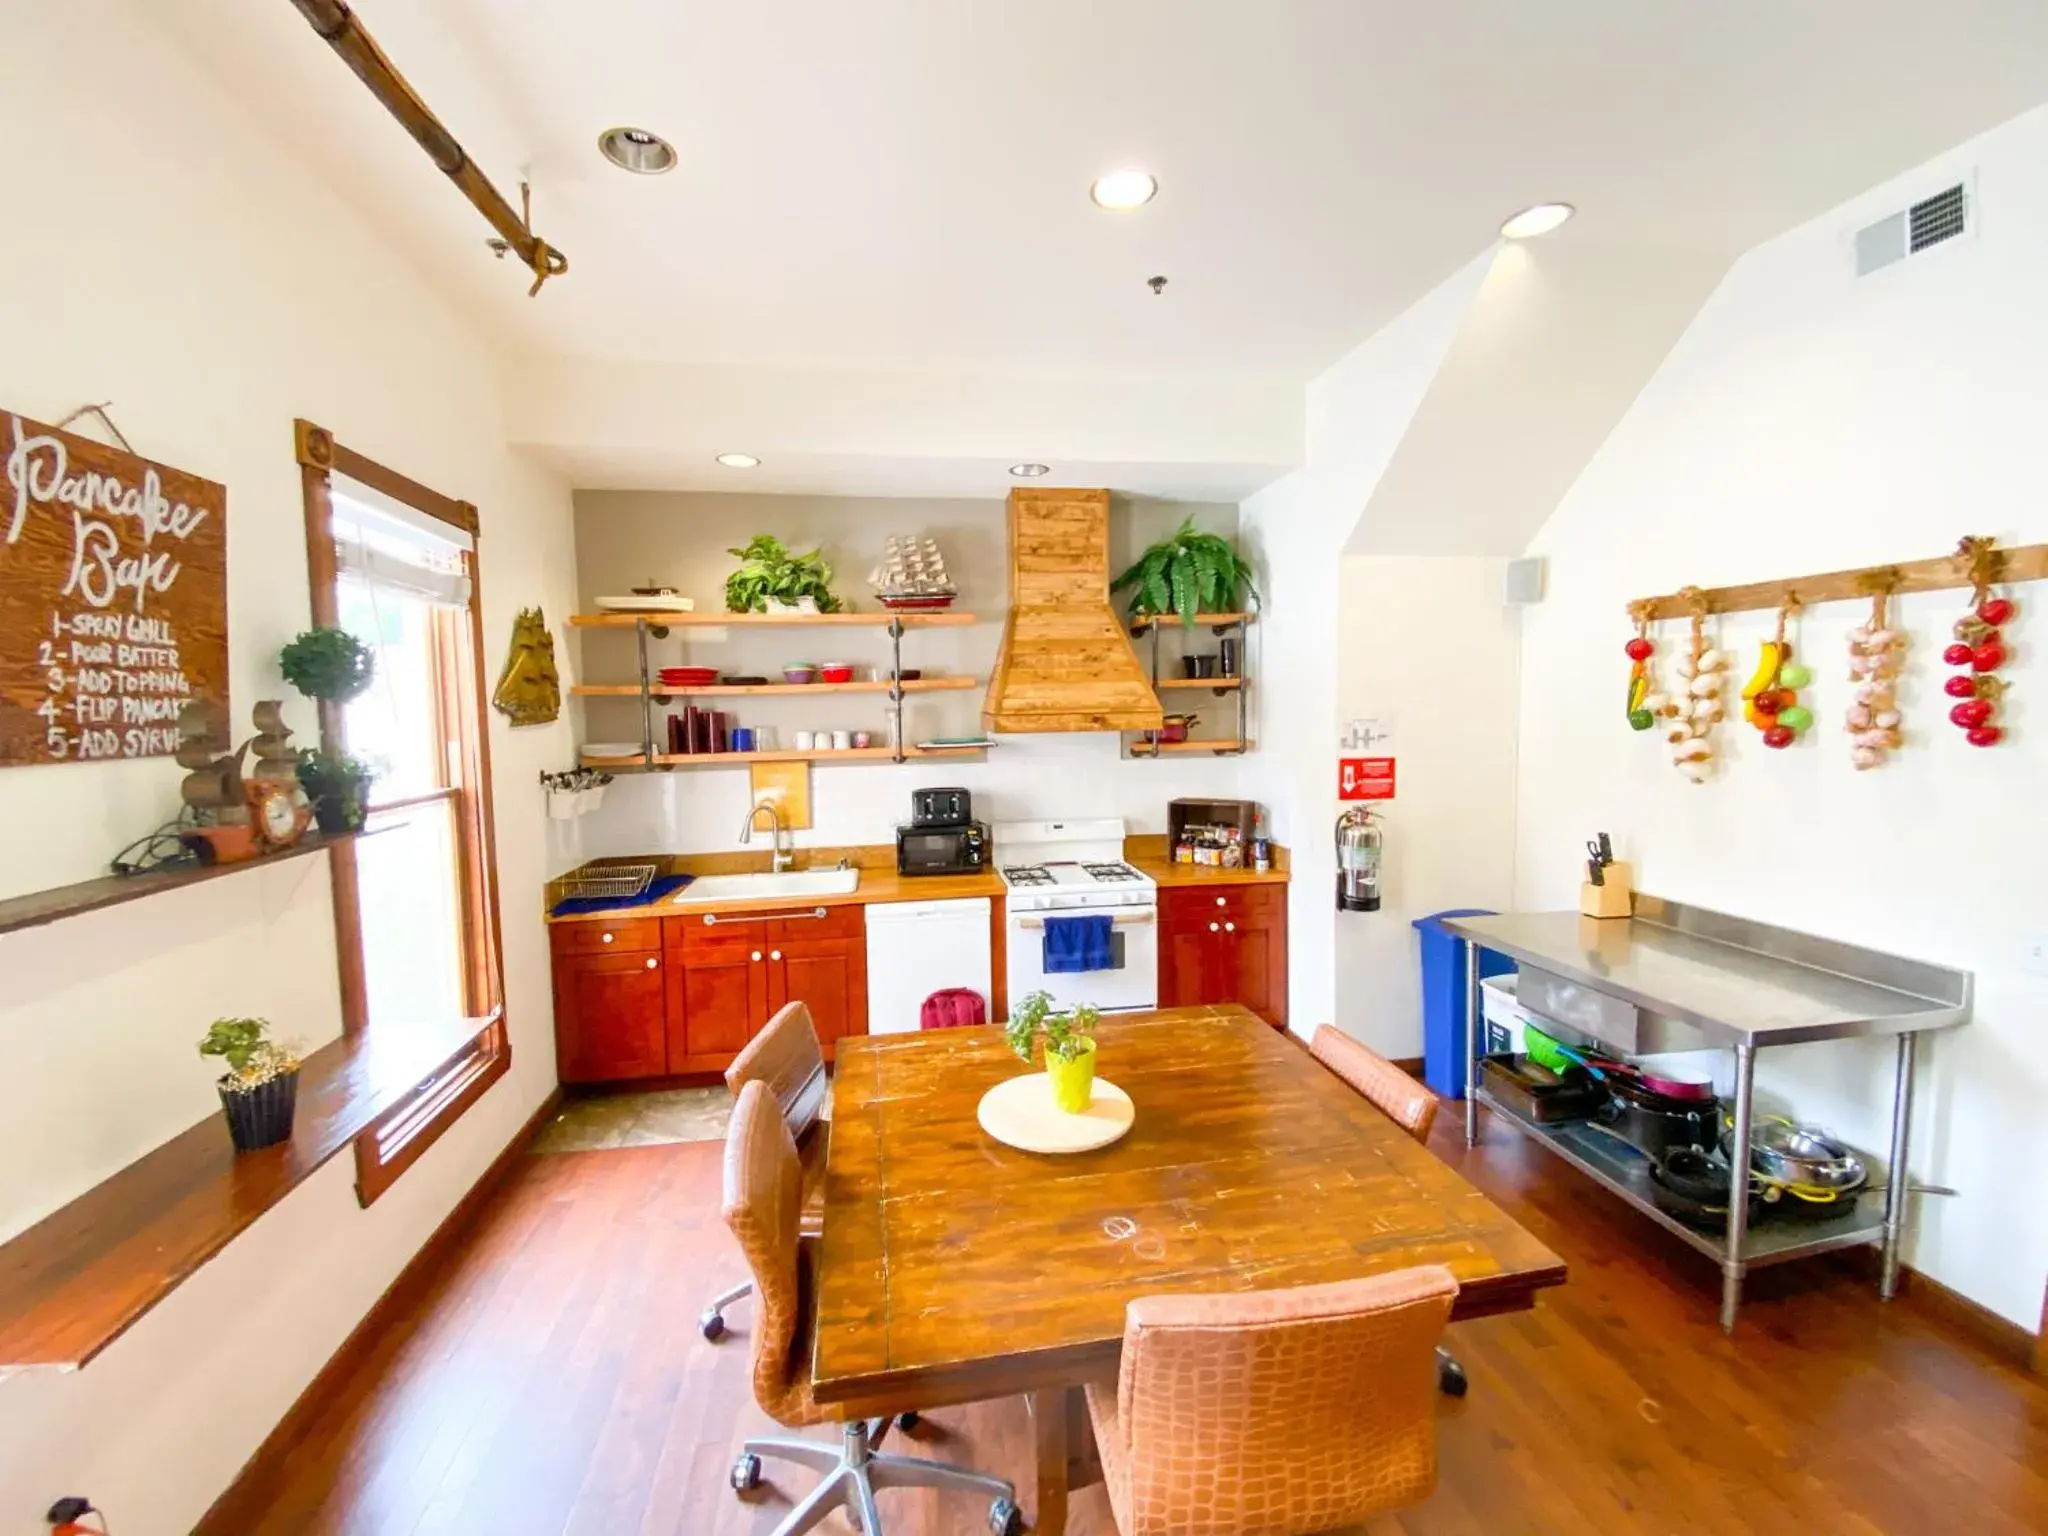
{"type": "Point", "coordinates": [1073, 1082]}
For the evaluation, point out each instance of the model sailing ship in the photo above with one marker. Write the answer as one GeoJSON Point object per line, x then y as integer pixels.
{"type": "Point", "coordinates": [912, 575]}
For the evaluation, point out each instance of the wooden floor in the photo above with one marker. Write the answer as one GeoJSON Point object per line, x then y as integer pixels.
{"type": "Point", "coordinates": [553, 1381]}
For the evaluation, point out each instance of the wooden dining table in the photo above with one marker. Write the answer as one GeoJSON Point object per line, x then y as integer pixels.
{"type": "Point", "coordinates": [956, 1269]}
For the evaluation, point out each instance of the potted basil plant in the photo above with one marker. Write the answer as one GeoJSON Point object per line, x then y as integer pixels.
{"type": "Point", "coordinates": [260, 1088]}
{"type": "Point", "coordinates": [1069, 1046]}
{"type": "Point", "coordinates": [338, 787]}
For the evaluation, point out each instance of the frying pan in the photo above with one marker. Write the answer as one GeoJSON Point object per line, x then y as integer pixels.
{"type": "Point", "coordinates": [1691, 1090]}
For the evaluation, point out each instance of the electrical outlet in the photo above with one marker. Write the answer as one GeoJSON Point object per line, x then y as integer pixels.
{"type": "Point", "coordinates": [2034, 953]}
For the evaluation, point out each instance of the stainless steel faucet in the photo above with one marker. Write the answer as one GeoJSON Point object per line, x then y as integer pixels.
{"type": "Point", "coordinates": [784, 856]}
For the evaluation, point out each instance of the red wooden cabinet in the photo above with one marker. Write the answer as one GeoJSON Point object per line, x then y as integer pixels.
{"type": "Point", "coordinates": [708, 981]}
{"type": "Point", "coordinates": [609, 1015]}
{"type": "Point", "coordinates": [1224, 944]}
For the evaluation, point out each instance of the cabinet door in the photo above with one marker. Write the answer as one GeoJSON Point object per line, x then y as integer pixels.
{"type": "Point", "coordinates": [608, 1016]}
{"type": "Point", "coordinates": [1250, 964]}
{"type": "Point", "coordinates": [1187, 968]}
{"type": "Point", "coordinates": [830, 977]}
{"type": "Point", "coordinates": [726, 992]}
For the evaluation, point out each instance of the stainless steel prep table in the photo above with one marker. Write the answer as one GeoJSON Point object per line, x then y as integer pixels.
{"type": "Point", "coordinates": [1675, 977]}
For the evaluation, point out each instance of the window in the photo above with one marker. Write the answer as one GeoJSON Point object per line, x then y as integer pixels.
{"type": "Point", "coordinates": [415, 905]}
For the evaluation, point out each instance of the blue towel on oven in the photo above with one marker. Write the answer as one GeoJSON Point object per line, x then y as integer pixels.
{"type": "Point", "coordinates": [1077, 944]}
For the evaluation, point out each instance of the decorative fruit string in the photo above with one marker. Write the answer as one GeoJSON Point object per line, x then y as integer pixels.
{"type": "Point", "coordinates": [1980, 647]}
{"type": "Point", "coordinates": [1645, 702]}
{"type": "Point", "coordinates": [1697, 711]}
{"type": "Point", "coordinates": [1876, 653]}
{"type": "Point", "coordinates": [1771, 697]}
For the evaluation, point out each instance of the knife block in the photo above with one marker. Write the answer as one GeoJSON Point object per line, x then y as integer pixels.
{"type": "Point", "coordinates": [1614, 899]}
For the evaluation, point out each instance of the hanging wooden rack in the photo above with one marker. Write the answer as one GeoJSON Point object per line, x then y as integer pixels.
{"type": "Point", "coordinates": [2027, 562]}
{"type": "Point", "coordinates": [344, 33]}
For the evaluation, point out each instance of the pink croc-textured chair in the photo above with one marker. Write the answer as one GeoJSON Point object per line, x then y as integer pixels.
{"type": "Point", "coordinates": [1274, 1413]}
{"type": "Point", "coordinates": [762, 1205]}
{"type": "Point", "coordinates": [1402, 1100]}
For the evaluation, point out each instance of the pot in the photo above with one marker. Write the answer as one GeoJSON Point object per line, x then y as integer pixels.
{"type": "Point", "coordinates": [260, 1117]}
{"type": "Point", "coordinates": [1655, 1124]}
{"type": "Point", "coordinates": [1800, 1157]}
{"type": "Point", "coordinates": [1175, 727]}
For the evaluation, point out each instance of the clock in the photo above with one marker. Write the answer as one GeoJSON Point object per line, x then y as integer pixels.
{"type": "Point", "coordinates": [275, 814]}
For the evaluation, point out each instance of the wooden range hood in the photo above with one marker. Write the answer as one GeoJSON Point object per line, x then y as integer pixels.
{"type": "Point", "coordinates": [1066, 663]}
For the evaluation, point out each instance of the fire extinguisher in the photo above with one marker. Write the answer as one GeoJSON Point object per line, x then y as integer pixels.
{"type": "Point", "coordinates": [1358, 861]}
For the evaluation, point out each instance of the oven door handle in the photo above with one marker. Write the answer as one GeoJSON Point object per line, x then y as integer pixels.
{"type": "Point", "coordinates": [1120, 920]}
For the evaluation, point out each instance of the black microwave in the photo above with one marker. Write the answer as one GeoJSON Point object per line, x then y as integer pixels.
{"type": "Point", "coordinates": [960, 850]}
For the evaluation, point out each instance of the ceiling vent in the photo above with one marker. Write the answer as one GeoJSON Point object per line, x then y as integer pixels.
{"type": "Point", "coordinates": [1930, 222]}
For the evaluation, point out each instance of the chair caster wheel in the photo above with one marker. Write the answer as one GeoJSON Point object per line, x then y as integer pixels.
{"type": "Point", "coordinates": [906, 1422]}
{"type": "Point", "coordinates": [1004, 1519]}
{"type": "Point", "coordinates": [1450, 1378]}
{"type": "Point", "coordinates": [712, 1326]}
{"type": "Point", "coordinates": [746, 1472]}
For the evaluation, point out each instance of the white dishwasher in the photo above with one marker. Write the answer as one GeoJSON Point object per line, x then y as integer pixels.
{"type": "Point", "coordinates": [916, 948]}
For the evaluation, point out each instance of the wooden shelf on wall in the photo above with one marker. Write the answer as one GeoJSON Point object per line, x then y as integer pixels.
{"type": "Point", "coordinates": [40, 907]}
{"type": "Point", "coordinates": [755, 690]}
{"type": "Point", "coordinates": [2025, 562]}
{"type": "Point", "coordinates": [918, 618]}
{"type": "Point", "coordinates": [83, 1275]}
{"type": "Point", "coordinates": [1173, 621]}
{"type": "Point", "coordinates": [1220, 684]}
{"type": "Point", "coordinates": [1173, 748]}
{"type": "Point", "coordinates": [733, 759]}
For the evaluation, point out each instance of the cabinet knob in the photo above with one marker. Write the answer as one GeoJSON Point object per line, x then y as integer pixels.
{"type": "Point", "coordinates": [1220, 901]}
{"type": "Point", "coordinates": [774, 954]}
{"type": "Point", "coordinates": [1230, 927]}
{"type": "Point", "coordinates": [757, 954]}
{"type": "Point", "coordinates": [605, 938]}
{"type": "Point", "coordinates": [651, 964]}
{"type": "Point", "coordinates": [1212, 927]}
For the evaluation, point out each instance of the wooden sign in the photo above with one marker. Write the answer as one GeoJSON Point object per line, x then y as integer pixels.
{"type": "Point", "coordinates": [113, 598]}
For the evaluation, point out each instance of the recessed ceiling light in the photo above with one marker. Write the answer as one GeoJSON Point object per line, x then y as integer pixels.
{"type": "Point", "coordinates": [739, 461]}
{"type": "Point", "coordinates": [1539, 220]}
{"type": "Point", "coordinates": [1030, 471]}
{"type": "Point", "coordinates": [637, 150]}
{"type": "Point", "coordinates": [1124, 189]}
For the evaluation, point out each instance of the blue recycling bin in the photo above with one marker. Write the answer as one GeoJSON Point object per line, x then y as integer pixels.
{"type": "Point", "coordinates": [1443, 998]}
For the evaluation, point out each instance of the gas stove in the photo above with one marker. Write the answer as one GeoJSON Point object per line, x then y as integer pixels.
{"type": "Point", "coordinates": [1062, 865]}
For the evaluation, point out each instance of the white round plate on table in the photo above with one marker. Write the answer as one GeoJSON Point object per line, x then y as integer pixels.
{"type": "Point", "coordinates": [1021, 1113]}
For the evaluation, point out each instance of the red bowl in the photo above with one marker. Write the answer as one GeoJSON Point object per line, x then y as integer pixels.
{"type": "Point", "coordinates": [835, 671]}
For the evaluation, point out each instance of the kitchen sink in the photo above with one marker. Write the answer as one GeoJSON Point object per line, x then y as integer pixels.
{"type": "Point", "coordinates": [707, 890]}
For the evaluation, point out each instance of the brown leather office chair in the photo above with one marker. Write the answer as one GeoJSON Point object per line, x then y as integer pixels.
{"type": "Point", "coordinates": [1277, 1412]}
{"type": "Point", "coordinates": [763, 1200]}
{"type": "Point", "coordinates": [1402, 1100]}
{"type": "Point", "coordinates": [785, 1056]}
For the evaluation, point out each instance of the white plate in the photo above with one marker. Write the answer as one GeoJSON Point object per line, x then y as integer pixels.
{"type": "Point", "coordinates": [611, 749]}
{"type": "Point", "coordinates": [633, 604]}
{"type": "Point", "coordinates": [1020, 1113]}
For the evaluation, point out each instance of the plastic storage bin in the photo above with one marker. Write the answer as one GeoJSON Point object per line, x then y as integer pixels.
{"type": "Point", "coordinates": [1443, 998]}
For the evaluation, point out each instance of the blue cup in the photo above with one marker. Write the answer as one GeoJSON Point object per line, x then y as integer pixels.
{"type": "Point", "coordinates": [742, 738]}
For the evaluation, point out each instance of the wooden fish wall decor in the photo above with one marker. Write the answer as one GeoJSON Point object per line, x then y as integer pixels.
{"type": "Point", "coordinates": [529, 690]}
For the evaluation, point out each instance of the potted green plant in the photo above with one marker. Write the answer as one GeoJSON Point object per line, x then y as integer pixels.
{"type": "Point", "coordinates": [772, 580]}
{"type": "Point", "coordinates": [329, 664]}
{"type": "Point", "coordinates": [1069, 1046]}
{"type": "Point", "coordinates": [1187, 574]}
{"type": "Point", "coordinates": [260, 1088]}
{"type": "Point", "coordinates": [338, 787]}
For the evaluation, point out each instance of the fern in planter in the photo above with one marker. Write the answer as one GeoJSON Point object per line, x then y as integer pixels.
{"type": "Point", "coordinates": [770, 573]}
{"type": "Point", "coordinates": [1187, 574]}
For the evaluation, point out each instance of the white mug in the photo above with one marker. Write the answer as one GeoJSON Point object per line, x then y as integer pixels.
{"type": "Point", "coordinates": [764, 738]}
{"type": "Point", "coordinates": [804, 740]}
{"type": "Point", "coordinates": [841, 740]}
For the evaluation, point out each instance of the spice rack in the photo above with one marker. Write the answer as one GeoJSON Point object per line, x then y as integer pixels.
{"type": "Point", "coordinates": [894, 687]}
{"type": "Point", "coordinates": [1237, 689]}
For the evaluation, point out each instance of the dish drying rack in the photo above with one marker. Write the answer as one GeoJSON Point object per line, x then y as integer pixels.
{"type": "Point", "coordinates": [617, 882]}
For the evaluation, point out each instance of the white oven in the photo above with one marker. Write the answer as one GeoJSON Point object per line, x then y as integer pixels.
{"type": "Point", "coordinates": [1132, 982]}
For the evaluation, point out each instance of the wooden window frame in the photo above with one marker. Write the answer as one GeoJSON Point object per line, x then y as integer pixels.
{"type": "Point", "coordinates": [397, 1138]}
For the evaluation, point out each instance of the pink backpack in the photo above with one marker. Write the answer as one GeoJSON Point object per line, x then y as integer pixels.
{"type": "Point", "coordinates": [952, 1007]}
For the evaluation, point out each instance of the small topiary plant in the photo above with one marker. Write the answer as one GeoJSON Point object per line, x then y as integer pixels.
{"type": "Point", "coordinates": [329, 664]}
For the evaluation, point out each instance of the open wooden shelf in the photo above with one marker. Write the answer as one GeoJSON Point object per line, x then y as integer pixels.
{"type": "Point", "coordinates": [1218, 683]}
{"type": "Point", "coordinates": [40, 907]}
{"type": "Point", "coordinates": [83, 1275]}
{"type": "Point", "coordinates": [920, 618]}
{"type": "Point", "coordinates": [1167, 748]}
{"type": "Point", "coordinates": [724, 690]}
{"type": "Point", "coordinates": [1172, 620]}
{"type": "Point", "coordinates": [728, 759]}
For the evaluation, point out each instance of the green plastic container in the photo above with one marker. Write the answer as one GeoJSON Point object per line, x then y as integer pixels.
{"type": "Point", "coordinates": [1544, 1051]}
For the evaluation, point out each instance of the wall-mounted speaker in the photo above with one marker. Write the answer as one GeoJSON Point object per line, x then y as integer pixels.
{"type": "Point", "coordinates": [1523, 581]}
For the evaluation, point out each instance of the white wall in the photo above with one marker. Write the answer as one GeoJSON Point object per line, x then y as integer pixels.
{"type": "Point", "coordinates": [1427, 647]}
{"type": "Point", "coordinates": [1810, 421]}
{"type": "Point", "coordinates": [1295, 532]}
{"type": "Point", "coordinates": [622, 538]}
{"type": "Point", "coordinates": [164, 257]}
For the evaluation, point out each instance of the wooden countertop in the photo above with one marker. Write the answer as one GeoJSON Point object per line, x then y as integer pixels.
{"type": "Point", "coordinates": [881, 884]}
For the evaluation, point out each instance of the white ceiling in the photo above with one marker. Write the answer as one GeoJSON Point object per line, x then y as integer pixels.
{"type": "Point", "coordinates": [902, 184]}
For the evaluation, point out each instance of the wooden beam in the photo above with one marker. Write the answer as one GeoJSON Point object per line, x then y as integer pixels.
{"type": "Point", "coordinates": [2028, 562]}
{"type": "Point", "coordinates": [338, 27]}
